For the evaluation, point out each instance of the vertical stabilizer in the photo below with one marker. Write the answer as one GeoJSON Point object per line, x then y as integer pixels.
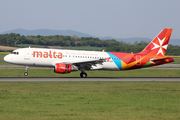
{"type": "Point", "coordinates": [158, 46]}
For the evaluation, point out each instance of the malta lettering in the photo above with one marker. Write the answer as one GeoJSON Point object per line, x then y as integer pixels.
{"type": "Point", "coordinates": [50, 54]}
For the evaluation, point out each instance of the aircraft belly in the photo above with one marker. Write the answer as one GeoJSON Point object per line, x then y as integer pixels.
{"type": "Point", "coordinates": [110, 66]}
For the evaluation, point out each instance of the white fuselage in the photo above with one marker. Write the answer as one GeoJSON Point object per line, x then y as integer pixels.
{"type": "Point", "coordinates": [49, 57]}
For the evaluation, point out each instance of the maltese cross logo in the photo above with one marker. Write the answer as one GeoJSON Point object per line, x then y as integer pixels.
{"type": "Point", "coordinates": [161, 46]}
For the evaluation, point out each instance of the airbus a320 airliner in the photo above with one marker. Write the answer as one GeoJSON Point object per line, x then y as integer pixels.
{"type": "Point", "coordinates": [66, 61]}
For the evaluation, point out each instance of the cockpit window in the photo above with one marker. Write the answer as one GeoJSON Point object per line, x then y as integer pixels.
{"type": "Point", "coordinates": [16, 53]}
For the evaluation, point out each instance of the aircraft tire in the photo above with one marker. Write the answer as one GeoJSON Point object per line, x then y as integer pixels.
{"type": "Point", "coordinates": [83, 75]}
{"type": "Point", "coordinates": [25, 74]}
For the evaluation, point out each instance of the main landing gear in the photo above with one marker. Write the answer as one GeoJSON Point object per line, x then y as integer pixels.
{"type": "Point", "coordinates": [83, 74]}
{"type": "Point", "coordinates": [26, 73]}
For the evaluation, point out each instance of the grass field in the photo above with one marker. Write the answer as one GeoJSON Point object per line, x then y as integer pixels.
{"type": "Point", "coordinates": [90, 100]}
{"type": "Point", "coordinates": [130, 73]}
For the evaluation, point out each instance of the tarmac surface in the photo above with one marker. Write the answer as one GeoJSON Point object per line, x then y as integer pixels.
{"type": "Point", "coordinates": [26, 79]}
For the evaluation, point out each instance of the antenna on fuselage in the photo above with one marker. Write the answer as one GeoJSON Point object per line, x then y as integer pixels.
{"type": "Point", "coordinates": [29, 46]}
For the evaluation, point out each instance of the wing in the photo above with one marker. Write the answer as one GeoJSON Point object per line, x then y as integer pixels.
{"type": "Point", "coordinates": [89, 64]}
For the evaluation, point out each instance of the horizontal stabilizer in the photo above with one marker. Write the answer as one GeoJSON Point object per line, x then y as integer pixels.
{"type": "Point", "coordinates": [163, 58]}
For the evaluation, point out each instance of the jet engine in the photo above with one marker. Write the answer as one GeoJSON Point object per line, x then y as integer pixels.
{"type": "Point", "coordinates": [64, 68]}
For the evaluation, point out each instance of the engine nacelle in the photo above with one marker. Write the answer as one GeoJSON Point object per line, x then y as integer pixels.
{"type": "Point", "coordinates": [64, 68]}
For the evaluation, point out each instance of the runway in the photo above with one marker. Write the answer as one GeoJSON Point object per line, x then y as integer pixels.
{"type": "Point", "coordinates": [103, 79]}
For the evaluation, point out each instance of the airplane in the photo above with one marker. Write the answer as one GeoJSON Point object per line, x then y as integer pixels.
{"type": "Point", "coordinates": [66, 61]}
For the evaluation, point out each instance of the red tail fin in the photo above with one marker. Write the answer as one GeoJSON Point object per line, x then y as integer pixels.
{"type": "Point", "coordinates": [158, 45]}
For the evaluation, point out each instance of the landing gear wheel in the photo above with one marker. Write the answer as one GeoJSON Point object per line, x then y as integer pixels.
{"type": "Point", "coordinates": [25, 74]}
{"type": "Point", "coordinates": [83, 75]}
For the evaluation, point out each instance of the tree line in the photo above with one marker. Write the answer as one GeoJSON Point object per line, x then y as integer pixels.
{"type": "Point", "coordinates": [13, 40]}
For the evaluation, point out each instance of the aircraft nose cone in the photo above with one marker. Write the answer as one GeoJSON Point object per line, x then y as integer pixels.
{"type": "Point", "coordinates": [7, 58]}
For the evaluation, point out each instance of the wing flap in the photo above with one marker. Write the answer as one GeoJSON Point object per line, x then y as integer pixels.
{"type": "Point", "coordinates": [91, 61]}
{"type": "Point", "coordinates": [92, 64]}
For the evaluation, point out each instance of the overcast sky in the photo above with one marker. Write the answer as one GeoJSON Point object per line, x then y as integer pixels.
{"type": "Point", "coordinates": [101, 18]}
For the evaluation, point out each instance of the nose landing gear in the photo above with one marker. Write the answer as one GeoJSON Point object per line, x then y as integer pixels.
{"type": "Point", "coordinates": [26, 73]}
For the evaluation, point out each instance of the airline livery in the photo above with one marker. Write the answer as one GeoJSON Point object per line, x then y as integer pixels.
{"type": "Point", "coordinates": [66, 61]}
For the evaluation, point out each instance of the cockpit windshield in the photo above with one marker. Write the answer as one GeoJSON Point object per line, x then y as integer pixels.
{"type": "Point", "coordinates": [16, 53]}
